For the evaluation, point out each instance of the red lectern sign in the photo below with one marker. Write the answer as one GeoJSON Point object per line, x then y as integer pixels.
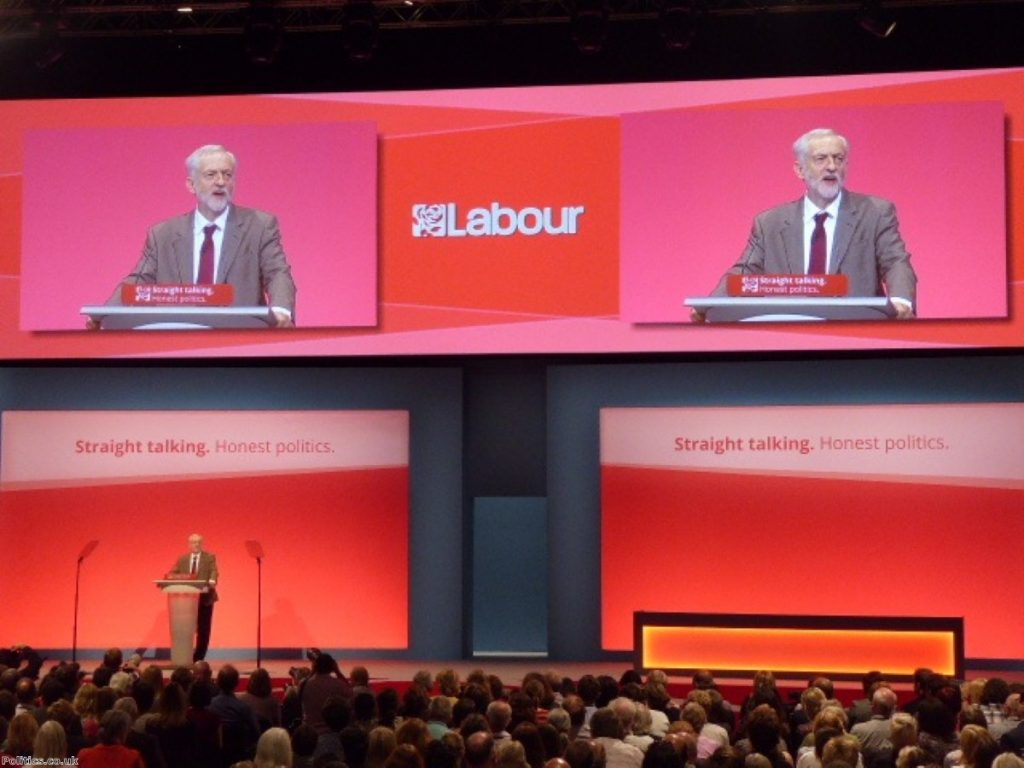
{"type": "Point", "coordinates": [164, 295]}
{"type": "Point", "coordinates": [788, 285]}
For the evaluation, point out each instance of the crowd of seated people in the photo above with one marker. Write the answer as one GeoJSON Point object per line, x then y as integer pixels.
{"type": "Point", "coordinates": [135, 716]}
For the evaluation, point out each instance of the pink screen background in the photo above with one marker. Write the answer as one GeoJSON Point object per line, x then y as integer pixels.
{"type": "Point", "coordinates": [415, 324]}
{"type": "Point", "coordinates": [90, 195]}
{"type": "Point", "coordinates": [692, 182]}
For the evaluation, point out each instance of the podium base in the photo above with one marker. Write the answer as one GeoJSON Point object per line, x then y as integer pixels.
{"type": "Point", "coordinates": [721, 309]}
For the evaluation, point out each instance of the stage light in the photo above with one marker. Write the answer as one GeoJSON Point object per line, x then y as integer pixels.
{"type": "Point", "coordinates": [589, 24]}
{"type": "Point", "coordinates": [873, 19]}
{"type": "Point", "coordinates": [359, 29]}
{"type": "Point", "coordinates": [264, 33]}
{"type": "Point", "coordinates": [48, 25]}
{"type": "Point", "coordinates": [678, 21]}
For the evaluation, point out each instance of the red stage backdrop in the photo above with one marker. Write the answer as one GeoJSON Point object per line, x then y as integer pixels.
{"type": "Point", "coordinates": [882, 510]}
{"type": "Point", "coordinates": [326, 493]}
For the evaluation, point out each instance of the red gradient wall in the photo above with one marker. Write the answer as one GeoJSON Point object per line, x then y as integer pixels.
{"type": "Point", "coordinates": [859, 531]}
{"type": "Point", "coordinates": [335, 537]}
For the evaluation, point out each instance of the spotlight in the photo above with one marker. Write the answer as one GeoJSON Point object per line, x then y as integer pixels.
{"type": "Point", "coordinates": [264, 33]}
{"type": "Point", "coordinates": [678, 21]}
{"type": "Point", "coordinates": [873, 19]}
{"type": "Point", "coordinates": [359, 29]}
{"type": "Point", "coordinates": [48, 25]}
{"type": "Point", "coordinates": [589, 20]}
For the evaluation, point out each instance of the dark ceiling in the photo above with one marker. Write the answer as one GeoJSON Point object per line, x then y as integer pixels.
{"type": "Point", "coordinates": [118, 47]}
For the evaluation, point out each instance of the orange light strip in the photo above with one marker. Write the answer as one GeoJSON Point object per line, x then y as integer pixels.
{"type": "Point", "coordinates": [847, 651]}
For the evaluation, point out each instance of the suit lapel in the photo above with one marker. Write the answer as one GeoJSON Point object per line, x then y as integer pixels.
{"type": "Point", "coordinates": [229, 247]}
{"type": "Point", "coordinates": [793, 238]}
{"type": "Point", "coordinates": [846, 225]}
{"type": "Point", "coordinates": [182, 248]}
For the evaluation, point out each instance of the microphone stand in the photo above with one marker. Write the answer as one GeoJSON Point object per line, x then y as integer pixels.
{"type": "Point", "coordinates": [255, 551]}
{"type": "Point", "coordinates": [86, 551]}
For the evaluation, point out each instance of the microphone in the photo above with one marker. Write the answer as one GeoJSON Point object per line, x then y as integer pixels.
{"type": "Point", "coordinates": [255, 549]}
{"type": "Point", "coordinates": [88, 549]}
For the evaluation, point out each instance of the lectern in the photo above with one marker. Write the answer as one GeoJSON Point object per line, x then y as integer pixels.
{"type": "Point", "coordinates": [116, 318]}
{"type": "Point", "coordinates": [732, 309]}
{"type": "Point", "coordinates": [183, 611]}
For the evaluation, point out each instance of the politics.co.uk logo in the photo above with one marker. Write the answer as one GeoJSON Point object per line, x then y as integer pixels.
{"type": "Point", "coordinates": [444, 220]}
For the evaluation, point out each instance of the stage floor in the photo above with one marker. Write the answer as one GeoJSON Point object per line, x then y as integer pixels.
{"type": "Point", "coordinates": [399, 673]}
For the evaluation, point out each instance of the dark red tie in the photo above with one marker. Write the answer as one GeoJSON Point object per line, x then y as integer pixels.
{"type": "Point", "coordinates": [206, 256]}
{"type": "Point", "coordinates": [819, 246]}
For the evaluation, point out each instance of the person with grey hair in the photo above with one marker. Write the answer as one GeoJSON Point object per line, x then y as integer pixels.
{"type": "Point", "coordinates": [875, 735]}
{"type": "Point", "coordinates": [218, 242]}
{"type": "Point", "coordinates": [1012, 709]}
{"type": "Point", "coordinates": [200, 565]}
{"type": "Point", "coordinates": [499, 715]}
{"type": "Point", "coordinates": [830, 230]}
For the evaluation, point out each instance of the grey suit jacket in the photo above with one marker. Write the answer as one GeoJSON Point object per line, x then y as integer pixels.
{"type": "Point", "coordinates": [251, 260]}
{"type": "Point", "coordinates": [867, 248]}
{"type": "Point", "coordinates": [207, 571]}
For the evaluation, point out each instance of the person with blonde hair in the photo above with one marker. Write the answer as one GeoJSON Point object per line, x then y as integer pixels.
{"type": "Point", "coordinates": [380, 744]}
{"type": "Point", "coordinates": [977, 747]}
{"type": "Point", "coordinates": [903, 732]}
{"type": "Point", "coordinates": [1008, 760]}
{"type": "Point", "coordinates": [274, 749]}
{"type": "Point", "coordinates": [510, 754]}
{"type": "Point", "coordinates": [21, 736]}
{"type": "Point", "coordinates": [844, 749]}
{"type": "Point", "coordinates": [51, 743]}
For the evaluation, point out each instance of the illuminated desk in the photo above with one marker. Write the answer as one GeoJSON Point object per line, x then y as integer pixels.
{"type": "Point", "coordinates": [801, 646]}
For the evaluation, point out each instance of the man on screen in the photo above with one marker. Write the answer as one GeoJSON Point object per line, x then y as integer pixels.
{"type": "Point", "coordinates": [830, 230]}
{"type": "Point", "coordinates": [219, 242]}
{"type": "Point", "coordinates": [201, 565]}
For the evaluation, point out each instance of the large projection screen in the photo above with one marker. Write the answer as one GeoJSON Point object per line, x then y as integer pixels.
{"type": "Point", "coordinates": [326, 494]}
{"type": "Point", "coordinates": [571, 219]}
{"type": "Point", "coordinates": [870, 510]}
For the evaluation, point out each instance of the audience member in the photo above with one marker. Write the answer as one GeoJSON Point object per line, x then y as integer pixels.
{"type": "Point", "coordinates": [380, 744]}
{"type": "Point", "coordinates": [51, 743]}
{"type": "Point", "coordinates": [174, 732]}
{"type": "Point", "coordinates": [584, 753]}
{"type": "Point", "coordinates": [21, 736]}
{"type": "Point", "coordinates": [439, 715]}
{"type": "Point", "coordinates": [1011, 717]}
{"type": "Point", "coordinates": [239, 729]}
{"type": "Point", "coordinates": [259, 695]}
{"type": "Point", "coordinates": [606, 730]}
{"type": "Point", "coordinates": [355, 744]}
{"type": "Point", "coordinates": [479, 750]}
{"type": "Point", "coordinates": [327, 680]}
{"type": "Point", "coordinates": [207, 723]}
{"type": "Point", "coordinates": [274, 749]}
{"type": "Point", "coordinates": [875, 734]}
{"type": "Point", "coordinates": [144, 743]}
{"type": "Point", "coordinates": [111, 752]}
{"type": "Point", "coordinates": [304, 747]}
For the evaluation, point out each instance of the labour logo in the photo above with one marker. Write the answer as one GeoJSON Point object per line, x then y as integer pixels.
{"type": "Point", "coordinates": [429, 220]}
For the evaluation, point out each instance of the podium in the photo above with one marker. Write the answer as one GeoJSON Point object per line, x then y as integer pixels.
{"type": "Point", "coordinates": [120, 318]}
{"type": "Point", "coordinates": [776, 309]}
{"type": "Point", "coordinates": [183, 611]}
